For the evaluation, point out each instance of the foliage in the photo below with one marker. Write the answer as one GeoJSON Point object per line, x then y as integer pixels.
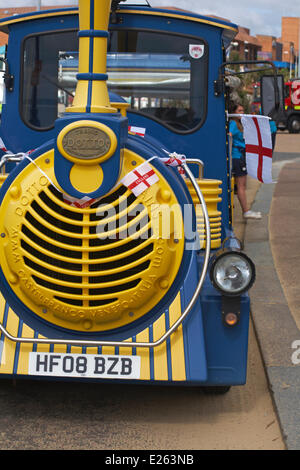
{"type": "Point", "coordinates": [249, 79]}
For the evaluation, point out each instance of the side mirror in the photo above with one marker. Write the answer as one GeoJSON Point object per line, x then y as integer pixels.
{"type": "Point", "coordinates": [272, 96]}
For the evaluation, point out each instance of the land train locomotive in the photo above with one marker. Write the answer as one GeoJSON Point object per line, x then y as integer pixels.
{"type": "Point", "coordinates": [118, 254]}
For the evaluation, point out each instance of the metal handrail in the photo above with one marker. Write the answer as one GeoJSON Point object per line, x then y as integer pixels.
{"type": "Point", "coordinates": [172, 329]}
{"type": "Point", "coordinates": [16, 158]}
{"type": "Point", "coordinates": [199, 163]}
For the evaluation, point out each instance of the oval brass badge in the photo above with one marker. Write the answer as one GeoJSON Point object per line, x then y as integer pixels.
{"type": "Point", "coordinates": [86, 143]}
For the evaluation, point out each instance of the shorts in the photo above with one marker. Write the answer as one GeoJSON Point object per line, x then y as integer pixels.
{"type": "Point", "coordinates": [239, 167]}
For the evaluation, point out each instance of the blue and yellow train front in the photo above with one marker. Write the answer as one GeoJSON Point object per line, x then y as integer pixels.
{"type": "Point", "coordinates": [102, 282]}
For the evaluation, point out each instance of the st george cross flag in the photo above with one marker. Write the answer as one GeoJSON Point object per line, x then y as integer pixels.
{"type": "Point", "coordinates": [8, 152]}
{"type": "Point", "coordinates": [257, 135]}
{"type": "Point", "coordinates": [141, 131]}
{"type": "Point", "coordinates": [79, 203]}
{"type": "Point", "coordinates": [2, 147]}
{"type": "Point", "coordinates": [174, 160]}
{"type": "Point", "coordinates": [140, 179]}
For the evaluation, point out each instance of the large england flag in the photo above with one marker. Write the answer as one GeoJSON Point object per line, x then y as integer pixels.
{"type": "Point", "coordinates": [257, 135]}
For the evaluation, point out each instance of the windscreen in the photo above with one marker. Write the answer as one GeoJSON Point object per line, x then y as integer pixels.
{"type": "Point", "coordinates": [162, 76]}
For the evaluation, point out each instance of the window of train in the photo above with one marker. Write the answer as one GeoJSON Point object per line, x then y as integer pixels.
{"type": "Point", "coordinates": [161, 76]}
{"type": "Point", "coordinates": [48, 84]}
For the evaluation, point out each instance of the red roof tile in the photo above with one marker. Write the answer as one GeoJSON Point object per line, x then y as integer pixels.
{"type": "Point", "coordinates": [7, 12]}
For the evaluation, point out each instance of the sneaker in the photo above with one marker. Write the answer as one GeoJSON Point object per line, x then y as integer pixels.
{"type": "Point", "coordinates": [252, 215]}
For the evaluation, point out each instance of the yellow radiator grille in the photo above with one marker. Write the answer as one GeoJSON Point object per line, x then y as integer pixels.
{"type": "Point", "coordinates": [211, 191]}
{"type": "Point", "coordinates": [109, 266]}
{"type": "Point", "coordinates": [62, 269]}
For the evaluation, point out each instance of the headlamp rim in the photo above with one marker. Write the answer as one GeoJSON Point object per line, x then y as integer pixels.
{"type": "Point", "coordinates": [227, 252]}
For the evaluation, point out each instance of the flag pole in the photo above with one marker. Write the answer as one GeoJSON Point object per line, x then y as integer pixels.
{"type": "Point", "coordinates": [248, 115]}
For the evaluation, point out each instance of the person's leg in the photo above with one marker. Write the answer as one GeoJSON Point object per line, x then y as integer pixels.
{"type": "Point", "coordinates": [242, 197]}
{"type": "Point", "coordinates": [273, 140]}
{"type": "Point", "coordinates": [241, 183]}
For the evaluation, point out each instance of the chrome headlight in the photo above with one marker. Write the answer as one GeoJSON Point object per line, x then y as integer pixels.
{"type": "Point", "coordinates": [232, 273]}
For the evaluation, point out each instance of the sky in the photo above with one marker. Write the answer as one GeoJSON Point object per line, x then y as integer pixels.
{"type": "Point", "coordinates": [263, 17]}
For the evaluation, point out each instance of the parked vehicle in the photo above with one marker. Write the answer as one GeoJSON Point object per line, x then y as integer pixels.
{"type": "Point", "coordinates": [290, 117]}
{"type": "Point", "coordinates": [292, 106]}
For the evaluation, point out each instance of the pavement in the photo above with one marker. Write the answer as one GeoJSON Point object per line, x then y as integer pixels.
{"type": "Point", "coordinates": [273, 243]}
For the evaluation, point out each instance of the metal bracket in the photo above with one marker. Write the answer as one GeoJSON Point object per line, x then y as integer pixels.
{"type": "Point", "coordinates": [218, 87]}
{"type": "Point", "coordinates": [9, 81]}
{"type": "Point", "coordinates": [172, 329]}
{"type": "Point", "coordinates": [231, 305]}
{"type": "Point", "coordinates": [114, 7]}
{"type": "Point", "coordinates": [8, 78]}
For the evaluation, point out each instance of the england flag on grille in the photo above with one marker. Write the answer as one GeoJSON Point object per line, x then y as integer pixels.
{"type": "Point", "coordinates": [140, 179]}
{"type": "Point", "coordinates": [79, 203]}
{"type": "Point", "coordinates": [257, 135]}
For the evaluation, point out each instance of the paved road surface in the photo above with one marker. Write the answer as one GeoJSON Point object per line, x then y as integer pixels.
{"type": "Point", "coordinates": [274, 245]}
{"type": "Point", "coordinates": [40, 415]}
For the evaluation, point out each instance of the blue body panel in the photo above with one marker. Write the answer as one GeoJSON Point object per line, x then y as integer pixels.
{"type": "Point", "coordinates": [214, 353]}
{"type": "Point", "coordinates": [110, 168]}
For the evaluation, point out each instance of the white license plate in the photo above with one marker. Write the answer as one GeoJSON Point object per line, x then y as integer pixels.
{"type": "Point", "coordinates": [84, 365]}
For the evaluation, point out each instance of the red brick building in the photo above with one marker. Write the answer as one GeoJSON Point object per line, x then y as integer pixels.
{"type": "Point", "coordinates": [244, 43]}
{"type": "Point", "coordinates": [248, 45]}
{"type": "Point", "coordinates": [6, 12]}
{"type": "Point", "coordinates": [271, 48]}
{"type": "Point", "coordinates": [290, 37]}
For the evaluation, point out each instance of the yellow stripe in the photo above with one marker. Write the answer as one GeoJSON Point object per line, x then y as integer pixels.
{"type": "Point", "coordinates": [9, 347]}
{"type": "Point", "coordinates": [92, 350]}
{"type": "Point", "coordinates": [85, 16]}
{"type": "Point", "coordinates": [60, 348]}
{"type": "Point", "coordinates": [182, 17]}
{"type": "Point", "coordinates": [108, 350]}
{"type": "Point", "coordinates": [177, 345]}
{"type": "Point", "coordinates": [43, 347]}
{"type": "Point", "coordinates": [84, 51]}
{"type": "Point", "coordinates": [144, 354]}
{"type": "Point", "coordinates": [81, 98]}
{"type": "Point", "coordinates": [101, 14]}
{"type": "Point", "coordinates": [2, 307]}
{"type": "Point", "coordinates": [154, 13]}
{"type": "Point", "coordinates": [76, 350]}
{"type": "Point", "coordinates": [25, 349]}
{"type": "Point", "coordinates": [38, 17]}
{"type": "Point", "coordinates": [160, 352]}
{"type": "Point", "coordinates": [126, 351]}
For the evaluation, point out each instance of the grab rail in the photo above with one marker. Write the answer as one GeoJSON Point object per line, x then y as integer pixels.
{"type": "Point", "coordinates": [172, 329]}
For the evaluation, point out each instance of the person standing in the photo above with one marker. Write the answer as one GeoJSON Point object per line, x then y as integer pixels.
{"type": "Point", "coordinates": [239, 169]}
{"type": "Point", "coordinates": [273, 128]}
